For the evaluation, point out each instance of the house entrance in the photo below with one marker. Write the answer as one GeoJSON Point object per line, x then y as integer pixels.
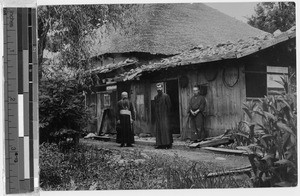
{"type": "Point", "coordinates": [172, 91]}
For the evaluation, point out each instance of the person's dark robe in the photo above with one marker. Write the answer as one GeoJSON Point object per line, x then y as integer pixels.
{"type": "Point", "coordinates": [196, 123]}
{"type": "Point", "coordinates": [125, 133]}
{"type": "Point", "coordinates": [162, 110]}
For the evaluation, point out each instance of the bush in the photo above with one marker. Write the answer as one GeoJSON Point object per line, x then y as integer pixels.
{"type": "Point", "coordinates": [63, 114]}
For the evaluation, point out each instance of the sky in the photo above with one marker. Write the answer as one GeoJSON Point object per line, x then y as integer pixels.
{"type": "Point", "coordinates": [237, 10]}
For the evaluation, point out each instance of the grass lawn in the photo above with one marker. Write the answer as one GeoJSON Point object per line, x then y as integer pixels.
{"type": "Point", "coordinates": [92, 168]}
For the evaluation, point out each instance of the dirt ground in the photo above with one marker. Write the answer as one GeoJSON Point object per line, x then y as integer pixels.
{"type": "Point", "coordinates": [217, 160]}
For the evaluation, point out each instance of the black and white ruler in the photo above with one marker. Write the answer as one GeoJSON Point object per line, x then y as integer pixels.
{"type": "Point", "coordinates": [21, 99]}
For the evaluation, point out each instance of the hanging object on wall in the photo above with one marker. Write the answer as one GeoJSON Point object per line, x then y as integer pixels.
{"type": "Point", "coordinates": [230, 75]}
{"type": "Point", "coordinates": [203, 89]}
{"type": "Point", "coordinates": [183, 81]}
{"type": "Point", "coordinates": [211, 73]}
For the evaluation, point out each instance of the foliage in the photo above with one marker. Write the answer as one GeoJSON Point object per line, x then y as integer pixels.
{"type": "Point", "coordinates": [63, 31]}
{"type": "Point", "coordinates": [65, 28]}
{"type": "Point", "coordinates": [91, 168]}
{"type": "Point", "coordinates": [242, 135]}
{"type": "Point", "coordinates": [273, 138]}
{"type": "Point", "coordinates": [271, 16]}
{"type": "Point", "coordinates": [62, 111]}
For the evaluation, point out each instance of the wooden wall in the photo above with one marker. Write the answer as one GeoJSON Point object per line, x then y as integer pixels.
{"type": "Point", "coordinates": [224, 103]}
{"type": "Point", "coordinates": [140, 97]}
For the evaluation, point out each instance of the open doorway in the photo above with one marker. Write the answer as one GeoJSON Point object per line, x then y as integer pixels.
{"type": "Point", "coordinates": [172, 91]}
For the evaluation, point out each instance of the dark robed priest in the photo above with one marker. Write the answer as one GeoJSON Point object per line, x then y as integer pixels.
{"type": "Point", "coordinates": [162, 102]}
{"type": "Point", "coordinates": [125, 117]}
{"type": "Point", "coordinates": [196, 111]}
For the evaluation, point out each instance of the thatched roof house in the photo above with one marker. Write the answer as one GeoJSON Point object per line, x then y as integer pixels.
{"type": "Point", "coordinates": [171, 29]}
{"type": "Point", "coordinates": [183, 45]}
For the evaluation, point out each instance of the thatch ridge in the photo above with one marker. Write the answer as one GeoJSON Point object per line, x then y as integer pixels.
{"type": "Point", "coordinates": [171, 29]}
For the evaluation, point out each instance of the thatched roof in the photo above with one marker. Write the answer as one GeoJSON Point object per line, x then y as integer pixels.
{"type": "Point", "coordinates": [204, 54]}
{"type": "Point", "coordinates": [171, 29]}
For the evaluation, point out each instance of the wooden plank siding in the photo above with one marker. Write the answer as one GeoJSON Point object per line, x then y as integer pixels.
{"type": "Point", "coordinates": [224, 103]}
{"type": "Point", "coordinates": [143, 122]}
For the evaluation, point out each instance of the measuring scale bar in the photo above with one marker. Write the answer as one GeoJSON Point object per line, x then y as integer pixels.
{"type": "Point", "coordinates": [21, 100]}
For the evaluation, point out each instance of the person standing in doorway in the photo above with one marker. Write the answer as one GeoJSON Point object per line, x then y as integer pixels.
{"type": "Point", "coordinates": [162, 102]}
{"type": "Point", "coordinates": [197, 106]}
{"type": "Point", "coordinates": [125, 117]}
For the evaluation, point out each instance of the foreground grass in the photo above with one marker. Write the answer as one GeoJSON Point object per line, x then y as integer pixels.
{"type": "Point", "coordinates": [90, 168]}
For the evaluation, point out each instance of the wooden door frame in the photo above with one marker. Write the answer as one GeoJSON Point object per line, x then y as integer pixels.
{"type": "Point", "coordinates": [99, 121]}
{"type": "Point", "coordinates": [180, 109]}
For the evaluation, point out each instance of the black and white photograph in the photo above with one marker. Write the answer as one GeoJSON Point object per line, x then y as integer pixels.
{"type": "Point", "coordinates": [198, 95]}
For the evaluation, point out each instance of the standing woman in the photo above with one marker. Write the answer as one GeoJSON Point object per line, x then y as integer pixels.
{"type": "Point", "coordinates": [196, 111]}
{"type": "Point", "coordinates": [125, 117]}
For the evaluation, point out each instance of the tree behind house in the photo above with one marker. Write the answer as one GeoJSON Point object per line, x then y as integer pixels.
{"type": "Point", "coordinates": [270, 16]}
{"type": "Point", "coordinates": [63, 30]}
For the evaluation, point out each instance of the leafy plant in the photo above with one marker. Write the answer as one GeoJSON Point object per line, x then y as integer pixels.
{"type": "Point", "coordinates": [273, 149]}
{"type": "Point", "coordinates": [63, 115]}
